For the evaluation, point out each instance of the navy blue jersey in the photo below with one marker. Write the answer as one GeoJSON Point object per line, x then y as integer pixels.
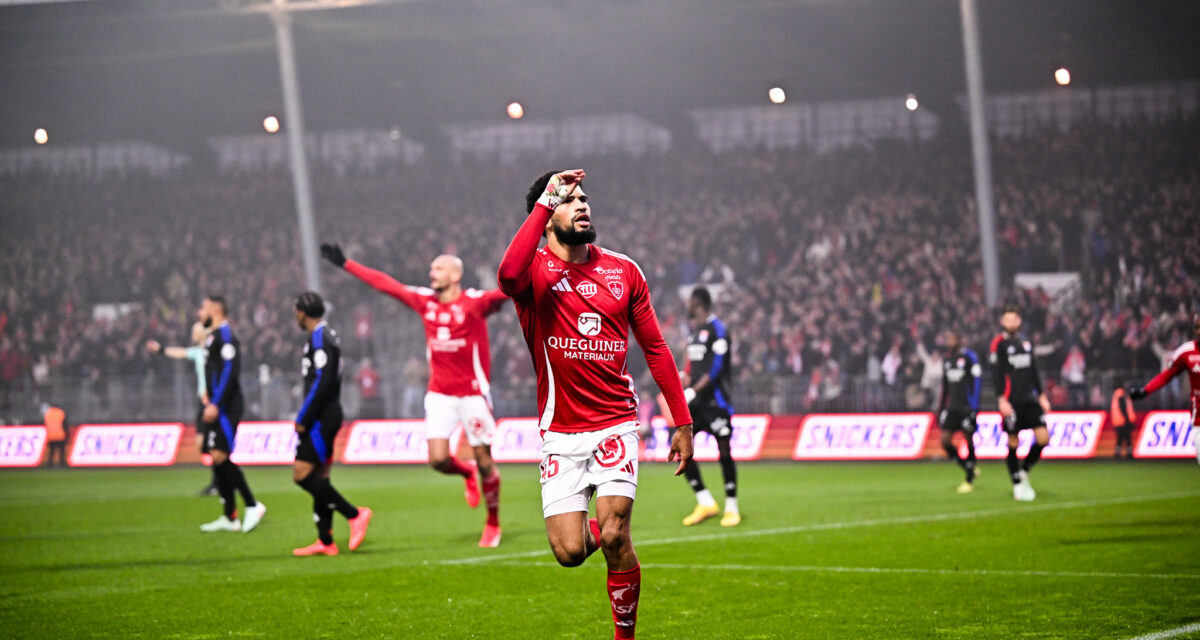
{"type": "Point", "coordinates": [223, 367]}
{"type": "Point", "coordinates": [1015, 369]}
{"type": "Point", "coordinates": [961, 379]}
{"type": "Point", "coordinates": [709, 352]}
{"type": "Point", "coordinates": [321, 366]}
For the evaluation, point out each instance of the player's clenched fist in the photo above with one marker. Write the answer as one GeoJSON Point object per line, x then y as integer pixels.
{"type": "Point", "coordinates": [681, 448]}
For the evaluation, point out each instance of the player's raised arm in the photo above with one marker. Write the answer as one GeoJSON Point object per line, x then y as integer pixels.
{"type": "Point", "coordinates": [646, 329]}
{"type": "Point", "coordinates": [378, 280]}
{"type": "Point", "coordinates": [513, 274]}
{"type": "Point", "coordinates": [1177, 366]}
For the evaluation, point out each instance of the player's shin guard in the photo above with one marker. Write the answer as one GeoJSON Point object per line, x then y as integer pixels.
{"type": "Point", "coordinates": [1014, 465]}
{"type": "Point", "coordinates": [1031, 458]}
{"type": "Point", "coordinates": [491, 495]}
{"type": "Point", "coordinates": [239, 483]}
{"type": "Point", "coordinates": [728, 468]}
{"type": "Point", "coordinates": [225, 488]}
{"type": "Point", "coordinates": [623, 590]}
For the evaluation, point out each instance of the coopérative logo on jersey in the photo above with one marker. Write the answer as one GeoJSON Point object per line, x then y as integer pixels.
{"type": "Point", "coordinates": [588, 324]}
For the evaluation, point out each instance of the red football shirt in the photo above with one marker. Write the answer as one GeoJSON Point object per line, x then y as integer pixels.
{"type": "Point", "coordinates": [576, 320]}
{"type": "Point", "coordinates": [1185, 358]}
{"type": "Point", "coordinates": [456, 338]}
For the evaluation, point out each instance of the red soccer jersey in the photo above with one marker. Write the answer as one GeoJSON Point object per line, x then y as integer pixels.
{"type": "Point", "coordinates": [456, 337]}
{"type": "Point", "coordinates": [1185, 358]}
{"type": "Point", "coordinates": [576, 320]}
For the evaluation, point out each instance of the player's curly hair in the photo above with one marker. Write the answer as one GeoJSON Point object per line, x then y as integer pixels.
{"type": "Point", "coordinates": [700, 294]}
{"type": "Point", "coordinates": [537, 189]}
{"type": "Point", "coordinates": [310, 304]}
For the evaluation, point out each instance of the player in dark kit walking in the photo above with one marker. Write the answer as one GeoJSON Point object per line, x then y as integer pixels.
{"type": "Point", "coordinates": [961, 376]}
{"type": "Point", "coordinates": [1022, 401]}
{"type": "Point", "coordinates": [318, 422]}
{"type": "Point", "coordinates": [706, 379]}
{"type": "Point", "coordinates": [222, 413]}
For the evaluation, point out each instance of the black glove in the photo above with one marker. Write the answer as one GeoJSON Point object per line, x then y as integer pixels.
{"type": "Point", "coordinates": [1137, 393]}
{"type": "Point", "coordinates": [333, 253]}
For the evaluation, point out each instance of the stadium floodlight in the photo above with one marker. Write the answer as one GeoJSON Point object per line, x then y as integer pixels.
{"type": "Point", "coordinates": [515, 110]}
{"type": "Point", "coordinates": [41, 136]}
{"type": "Point", "coordinates": [911, 103]}
{"type": "Point", "coordinates": [776, 95]}
{"type": "Point", "coordinates": [1062, 76]}
{"type": "Point", "coordinates": [271, 124]}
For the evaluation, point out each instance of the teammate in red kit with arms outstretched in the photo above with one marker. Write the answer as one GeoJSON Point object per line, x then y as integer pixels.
{"type": "Point", "coordinates": [576, 303]}
{"type": "Point", "coordinates": [1186, 358]}
{"type": "Point", "coordinates": [459, 370]}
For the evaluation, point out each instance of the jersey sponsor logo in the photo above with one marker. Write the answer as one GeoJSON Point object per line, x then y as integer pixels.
{"type": "Point", "coordinates": [443, 333]}
{"type": "Point", "coordinates": [614, 270]}
{"type": "Point", "coordinates": [265, 443]}
{"type": "Point", "coordinates": [696, 352]}
{"type": "Point", "coordinates": [587, 289]}
{"type": "Point", "coordinates": [120, 445]}
{"type": "Point", "coordinates": [1073, 434]}
{"type": "Point", "coordinates": [588, 323]}
{"type": "Point", "coordinates": [1020, 360]}
{"type": "Point", "coordinates": [22, 446]}
{"type": "Point", "coordinates": [616, 288]}
{"type": "Point", "coordinates": [882, 436]}
{"type": "Point", "coordinates": [562, 286]}
{"type": "Point", "coordinates": [746, 440]}
{"type": "Point", "coordinates": [955, 375]}
{"type": "Point", "coordinates": [390, 441]}
{"type": "Point", "coordinates": [610, 452]}
{"type": "Point", "coordinates": [1166, 434]}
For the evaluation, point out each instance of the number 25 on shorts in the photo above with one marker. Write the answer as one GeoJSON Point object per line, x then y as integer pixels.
{"type": "Point", "coordinates": [549, 468]}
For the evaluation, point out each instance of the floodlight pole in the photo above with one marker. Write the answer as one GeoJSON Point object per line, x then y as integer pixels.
{"type": "Point", "coordinates": [293, 126]}
{"type": "Point", "coordinates": [984, 200]}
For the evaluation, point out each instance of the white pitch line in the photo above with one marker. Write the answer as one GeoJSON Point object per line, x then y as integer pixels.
{"type": "Point", "coordinates": [1171, 633]}
{"type": "Point", "coordinates": [854, 524]}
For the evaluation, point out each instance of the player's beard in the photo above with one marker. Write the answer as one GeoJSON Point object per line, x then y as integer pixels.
{"type": "Point", "coordinates": [572, 238]}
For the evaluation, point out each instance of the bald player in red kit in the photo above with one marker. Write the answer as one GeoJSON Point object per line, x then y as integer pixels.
{"type": "Point", "coordinates": [1186, 358]}
{"type": "Point", "coordinates": [456, 342]}
{"type": "Point", "coordinates": [577, 303]}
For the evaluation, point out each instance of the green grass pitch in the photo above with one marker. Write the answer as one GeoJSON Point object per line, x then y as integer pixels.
{"type": "Point", "coordinates": [879, 550]}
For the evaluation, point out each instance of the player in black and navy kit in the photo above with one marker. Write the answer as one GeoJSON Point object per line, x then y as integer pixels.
{"type": "Point", "coordinates": [1020, 397]}
{"type": "Point", "coordinates": [318, 422]}
{"type": "Point", "coordinates": [222, 412]}
{"type": "Point", "coordinates": [961, 380]}
{"type": "Point", "coordinates": [706, 388]}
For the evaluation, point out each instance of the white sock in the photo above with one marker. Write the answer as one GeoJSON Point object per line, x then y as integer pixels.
{"type": "Point", "coordinates": [705, 498]}
{"type": "Point", "coordinates": [731, 505]}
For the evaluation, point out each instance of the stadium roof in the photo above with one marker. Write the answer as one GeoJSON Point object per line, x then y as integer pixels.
{"type": "Point", "coordinates": [174, 71]}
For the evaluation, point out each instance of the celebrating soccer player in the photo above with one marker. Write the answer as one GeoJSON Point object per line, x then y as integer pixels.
{"type": "Point", "coordinates": [459, 364]}
{"type": "Point", "coordinates": [1022, 401]}
{"type": "Point", "coordinates": [961, 374]}
{"type": "Point", "coordinates": [222, 413]}
{"type": "Point", "coordinates": [576, 303]}
{"type": "Point", "coordinates": [1185, 358]}
{"type": "Point", "coordinates": [318, 422]}
{"type": "Point", "coordinates": [708, 399]}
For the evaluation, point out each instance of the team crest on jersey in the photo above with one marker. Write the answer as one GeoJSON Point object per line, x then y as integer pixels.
{"type": "Point", "coordinates": [961, 363]}
{"type": "Point", "coordinates": [617, 288]}
{"type": "Point", "coordinates": [1027, 345]}
{"type": "Point", "coordinates": [586, 289]}
{"type": "Point", "coordinates": [611, 451]}
{"type": "Point", "coordinates": [459, 314]}
{"type": "Point", "coordinates": [703, 335]}
{"type": "Point", "coordinates": [209, 340]}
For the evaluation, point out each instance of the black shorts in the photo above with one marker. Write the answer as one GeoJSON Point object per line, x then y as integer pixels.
{"type": "Point", "coordinates": [1026, 416]}
{"type": "Point", "coordinates": [222, 434]}
{"type": "Point", "coordinates": [316, 444]}
{"type": "Point", "coordinates": [715, 421]}
{"type": "Point", "coordinates": [951, 420]}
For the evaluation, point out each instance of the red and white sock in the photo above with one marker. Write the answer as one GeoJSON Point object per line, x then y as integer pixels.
{"type": "Point", "coordinates": [623, 590]}
{"type": "Point", "coordinates": [491, 495]}
{"type": "Point", "coordinates": [459, 467]}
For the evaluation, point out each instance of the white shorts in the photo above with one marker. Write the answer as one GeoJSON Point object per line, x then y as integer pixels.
{"type": "Point", "coordinates": [444, 413]}
{"type": "Point", "coordinates": [576, 465]}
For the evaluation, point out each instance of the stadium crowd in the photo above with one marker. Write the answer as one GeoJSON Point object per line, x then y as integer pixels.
{"type": "Point", "coordinates": [835, 271]}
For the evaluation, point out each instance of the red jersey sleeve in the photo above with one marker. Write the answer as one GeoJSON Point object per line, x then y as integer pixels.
{"type": "Point", "coordinates": [384, 283]}
{"type": "Point", "coordinates": [1178, 365]}
{"type": "Point", "coordinates": [646, 329]}
{"type": "Point", "coordinates": [493, 300]}
{"type": "Point", "coordinates": [513, 274]}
